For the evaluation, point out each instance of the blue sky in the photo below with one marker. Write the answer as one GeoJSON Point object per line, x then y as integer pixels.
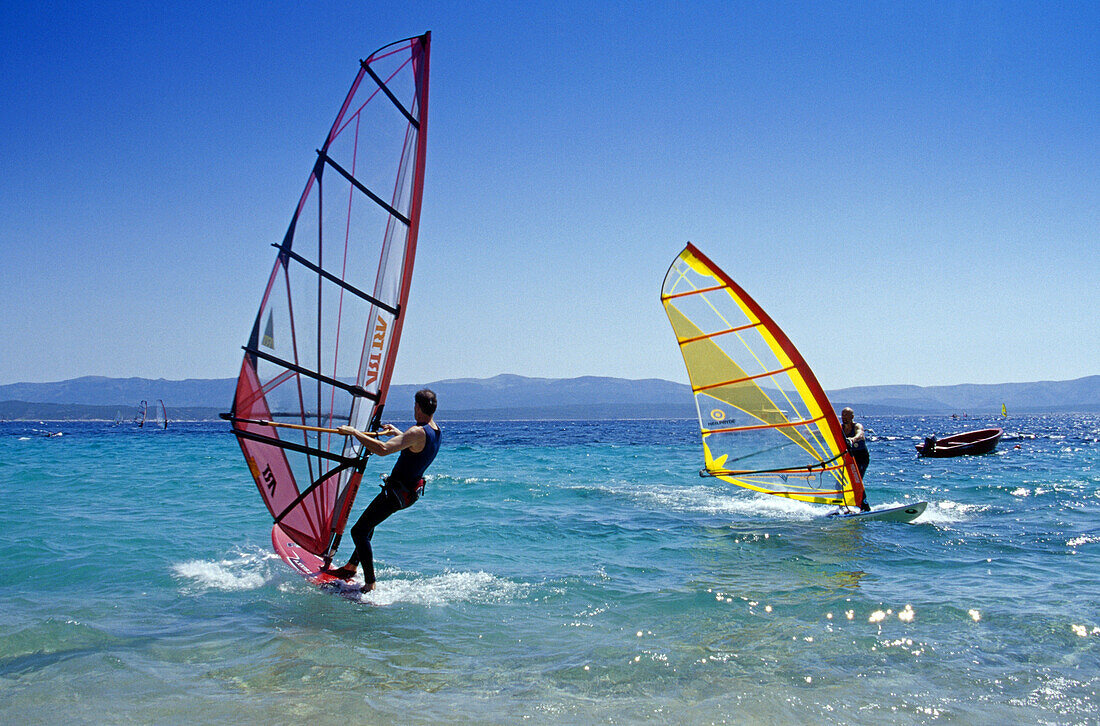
{"type": "Point", "coordinates": [912, 191]}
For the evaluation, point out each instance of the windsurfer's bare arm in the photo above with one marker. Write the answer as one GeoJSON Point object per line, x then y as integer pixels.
{"type": "Point", "coordinates": [413, 438]}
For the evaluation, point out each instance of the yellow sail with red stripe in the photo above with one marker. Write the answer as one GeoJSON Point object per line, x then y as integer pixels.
{"type": "Point", "coordinates": [765, 421]}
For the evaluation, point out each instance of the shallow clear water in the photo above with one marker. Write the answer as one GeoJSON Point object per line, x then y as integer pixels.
{"type": "Point", "coordinates": [555, 571]}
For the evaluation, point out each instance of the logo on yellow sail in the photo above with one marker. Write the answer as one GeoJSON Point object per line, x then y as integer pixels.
{"type": "Point", "coordinates": [717, 414]}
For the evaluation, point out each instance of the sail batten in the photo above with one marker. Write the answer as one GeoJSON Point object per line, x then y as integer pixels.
{"type": "Point", "coordinates": [309, 373]}
{"type": "Point", "coordinates": [338, 281]}
{"type": "Point", "coordinates": [691, 292]}
{"type": "Point", "coordinates": [359, 185]}
{"type": "Point", "coordinates": [325, 338]}
{"type": "Point", "coordinates": [742, 379]}
{"type": "Point", "coordinates": [707, 336]}
{"type": "Point", "coordinates": [386, 90]}
{"type": "Point", "coordinates": [758, 402]}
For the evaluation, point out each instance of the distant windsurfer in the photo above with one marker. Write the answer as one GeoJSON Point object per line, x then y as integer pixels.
{"type": "Point", "coordinates": [857, 447]}
{"type": "Point", "coordinates": [418, 446]}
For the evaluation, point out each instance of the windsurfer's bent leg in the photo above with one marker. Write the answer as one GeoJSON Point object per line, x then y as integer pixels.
{"type": "Point", "coordinates": [863, 458]}
{"type": "Point", "coordinates": [383, 506]}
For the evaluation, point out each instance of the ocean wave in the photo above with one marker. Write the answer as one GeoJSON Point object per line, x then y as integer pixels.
{"type": "Point", "coordinates": [950, 512]}
{"type": "Point", "coordinates": [710, 500]}
{"type": "Point", "coordinates": [247, 571]}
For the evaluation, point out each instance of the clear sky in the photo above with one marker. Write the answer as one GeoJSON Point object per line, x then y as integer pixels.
{"type": "Point", "coordinates": [912, 190]}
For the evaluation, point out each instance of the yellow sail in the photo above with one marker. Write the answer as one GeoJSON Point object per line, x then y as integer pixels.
{"type": "Point", "coordinates": [765, 421]}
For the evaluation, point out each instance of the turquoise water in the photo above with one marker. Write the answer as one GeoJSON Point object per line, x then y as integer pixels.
{"type": "Point", "coordinates": [555, 572]}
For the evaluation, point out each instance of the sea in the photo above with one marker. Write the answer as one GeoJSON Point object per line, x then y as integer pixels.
{"type": "Point", "coordinates": [555, 572]}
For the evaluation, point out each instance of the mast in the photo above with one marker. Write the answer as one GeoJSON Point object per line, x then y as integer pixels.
{"type": "Point", "coordinates": [419, 122]}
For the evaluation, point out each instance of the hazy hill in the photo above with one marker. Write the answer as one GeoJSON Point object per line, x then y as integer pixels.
{"type": "Point", "coordinates": [1081, 394]}
{"type": "Point", "coordinates": [511, 391]}
{"type": "Point", "coordinates": [25, 411]}
{"type": "Point", "coordinates": [512, 396]}
{"type": "Point", "coordinates": [103, 391]}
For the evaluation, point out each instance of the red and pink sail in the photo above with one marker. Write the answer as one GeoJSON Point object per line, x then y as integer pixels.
{"type": "Point", "coordinates": [325, 339]}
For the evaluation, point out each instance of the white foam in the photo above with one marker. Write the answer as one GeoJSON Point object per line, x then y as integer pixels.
{"type": "Point", "coordinates": [709, 500]}
{"type": "Point", "coordinates": [1083, 540]}
{"type": "Point", "coordinates": [447, 588]}
{"type": "Point", "coordinates": [949, 512]}
{"type": "Point", "coordinates": [248, 571]}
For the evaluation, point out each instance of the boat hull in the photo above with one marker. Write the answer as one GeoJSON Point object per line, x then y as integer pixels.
{"type": "Point", "coordinates": [969, 443]}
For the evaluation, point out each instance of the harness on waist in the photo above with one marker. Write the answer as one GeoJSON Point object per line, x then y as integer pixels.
{"type": "Point", "coordinates": [405, 493]}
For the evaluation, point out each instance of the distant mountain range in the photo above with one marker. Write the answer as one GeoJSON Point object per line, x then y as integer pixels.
{"type": "Point", "coordinates": [519, 397]}
{"type": "Point", "coordinates": [1081, 394]}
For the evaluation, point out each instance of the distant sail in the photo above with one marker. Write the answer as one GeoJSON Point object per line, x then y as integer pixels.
{"type": "Point", "coordinates": [765, 421]}
{"type": "Point", "coordinates": [158, 415]}
{"type": "Point", "coordinates": [143, 409]}
{"type": "Point", "coordinates": [324, 341]}
{"type": "Point", "coordinates": [1004, 411]}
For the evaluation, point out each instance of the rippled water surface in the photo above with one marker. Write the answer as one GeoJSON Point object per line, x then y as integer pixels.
{"type": "Point", "coordinates": [555, 571]}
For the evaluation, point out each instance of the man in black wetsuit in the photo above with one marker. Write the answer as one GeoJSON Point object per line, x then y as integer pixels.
{"type": "Point", "coordinates": [857, 446]}
{"type": "Point", "coordinates": [418, 446]}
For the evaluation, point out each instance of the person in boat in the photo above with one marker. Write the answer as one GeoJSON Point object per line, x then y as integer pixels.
{"type": "Point", "coordinates": [857, 446]}
{"type": "Point", "coordinates": [418, 446]}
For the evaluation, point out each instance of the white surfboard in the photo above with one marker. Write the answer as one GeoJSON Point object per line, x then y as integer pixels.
{"type": "Point", "coordinates": [904, 513]}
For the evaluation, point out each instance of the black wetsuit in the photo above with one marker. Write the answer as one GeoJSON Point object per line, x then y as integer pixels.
{"type": "Point", "coordinates": [403, 487]}
{"type": "Point", "coordinates": [859, 452]}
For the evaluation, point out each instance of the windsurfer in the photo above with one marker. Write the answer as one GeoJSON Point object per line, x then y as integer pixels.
{"type": "Point", "coordinates": [418, 446]}
{"type": "Point", "coordinates": [857, 447]}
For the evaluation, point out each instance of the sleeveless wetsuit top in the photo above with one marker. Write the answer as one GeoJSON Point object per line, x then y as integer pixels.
{"type": "Point", "coordinates": [410, 466]}
{"type": "Point", "coordinates": [858, 446]}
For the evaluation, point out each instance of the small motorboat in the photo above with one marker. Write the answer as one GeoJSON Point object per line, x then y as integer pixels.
{"type": "Point", "coordinates": [968, 443]}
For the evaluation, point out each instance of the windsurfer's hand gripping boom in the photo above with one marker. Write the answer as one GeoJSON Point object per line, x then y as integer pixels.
{"type": "Point", "coordinates": [371, 441]}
